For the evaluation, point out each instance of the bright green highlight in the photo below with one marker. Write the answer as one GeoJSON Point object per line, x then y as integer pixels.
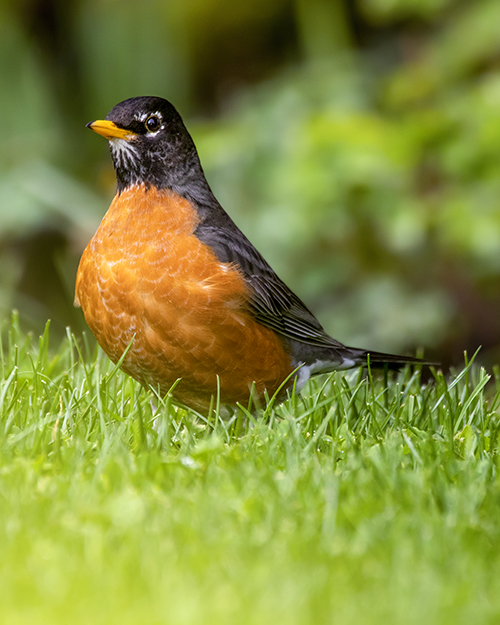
{"type": "Point", "coordinates": [352, 503]}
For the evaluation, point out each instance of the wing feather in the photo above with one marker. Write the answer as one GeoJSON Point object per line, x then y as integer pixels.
{"type": "Point", "coordinates": [271, 302]}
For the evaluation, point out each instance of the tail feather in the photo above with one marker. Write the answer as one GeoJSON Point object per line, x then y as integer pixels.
{"type": "Point", "coordinates": [380, 360]}
{"type": "Point", "coordinates": [348, 357]}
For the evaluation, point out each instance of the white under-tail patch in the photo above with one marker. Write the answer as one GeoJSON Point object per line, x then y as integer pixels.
{"type": "Point", "coordinates": [320, 366]}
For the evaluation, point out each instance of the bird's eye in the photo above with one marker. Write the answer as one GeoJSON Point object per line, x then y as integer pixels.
{"type": "Point", "coordinates": [152, 123]}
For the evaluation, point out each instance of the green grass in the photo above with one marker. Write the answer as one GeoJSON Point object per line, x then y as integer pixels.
{"type": "Point", "coordinates": [352, 503]}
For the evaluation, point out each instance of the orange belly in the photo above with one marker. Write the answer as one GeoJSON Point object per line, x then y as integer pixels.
{"type": "Point", "coordinates": [145, 278]}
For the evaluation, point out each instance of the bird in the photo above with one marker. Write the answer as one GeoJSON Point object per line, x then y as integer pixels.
{"type": "Point", "coordinates": [174, 291]}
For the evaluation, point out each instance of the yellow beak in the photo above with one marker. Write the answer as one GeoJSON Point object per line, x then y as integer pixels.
{"type": "Point", "coordinates": [109, 130]}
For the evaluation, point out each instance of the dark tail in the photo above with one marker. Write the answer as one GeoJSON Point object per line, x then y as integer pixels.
{"type": "Point", "coordinates": [379, 360]}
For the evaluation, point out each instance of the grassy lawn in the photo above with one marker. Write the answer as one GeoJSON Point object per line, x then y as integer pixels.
{"type": "Point", "coordinates": [352, 503]}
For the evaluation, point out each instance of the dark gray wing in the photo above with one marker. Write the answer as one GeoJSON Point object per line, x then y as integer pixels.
{"type": "Point", "coordinates": [271, 302]}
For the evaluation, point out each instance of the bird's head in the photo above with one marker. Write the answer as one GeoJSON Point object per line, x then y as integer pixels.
{"type": "Point", "coordinates": [149, 144]}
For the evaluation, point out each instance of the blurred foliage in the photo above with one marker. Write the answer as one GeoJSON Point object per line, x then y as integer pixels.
{"type": "Point", "coordinates": [356, 143]}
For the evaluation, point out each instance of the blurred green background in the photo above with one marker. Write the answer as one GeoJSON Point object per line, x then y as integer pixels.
{"type": "Point", "coordinates": [356, 143]}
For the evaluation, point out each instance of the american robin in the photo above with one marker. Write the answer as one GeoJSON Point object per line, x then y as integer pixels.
{"type": "Point", "coordinates": [169, 275]}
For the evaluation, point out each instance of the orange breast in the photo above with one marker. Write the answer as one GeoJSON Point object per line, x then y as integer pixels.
{"type": "Point", "coordinates": [145, 276]}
